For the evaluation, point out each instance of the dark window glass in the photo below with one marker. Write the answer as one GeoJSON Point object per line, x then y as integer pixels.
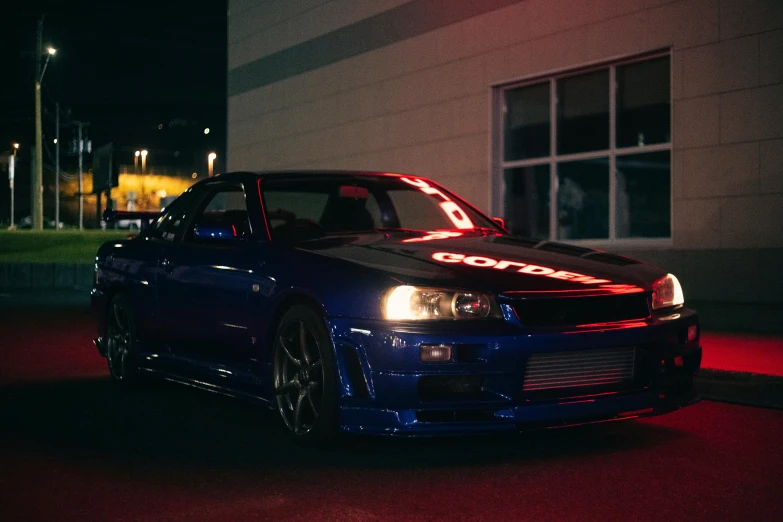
{"type": "Point", "coordinates": [299, 209]}
{"type": "Point", "coordinates": [643, 195]}
{"type": "Point", "coordinates": [527, 122]}
{"type": "Point", "coordinates": [526, 201]}
{"type": "Point", "coordinates": [643, 103]}
{"type": "Point", "coordinates": [583, 113]}
{"type": "Point", "coordinates": [583, 199]}
{"type": "Point", "coordinates": [225, 206]}
{"type": "Point", "coordinates": [171, 222]}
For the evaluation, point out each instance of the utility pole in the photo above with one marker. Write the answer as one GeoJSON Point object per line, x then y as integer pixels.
{"type": "Point", "coordinates": [36, 187]}
{"type": "Point", "coordinates": [81, 178]}
{"type": "Point", "coordinates": [57, 167]}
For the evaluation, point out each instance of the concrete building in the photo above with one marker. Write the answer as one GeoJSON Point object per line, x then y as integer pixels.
{"type": "Point", "coordinates": [508, 103]}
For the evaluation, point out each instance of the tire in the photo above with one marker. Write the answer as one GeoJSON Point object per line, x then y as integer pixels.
{"type": "Point", "coordinates": [304, 376]}
{"type": "Point", "coordinates": [121, 341]}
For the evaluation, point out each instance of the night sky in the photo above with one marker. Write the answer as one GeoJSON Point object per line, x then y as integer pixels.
{"type": "Point", "coordinates": [127, 67]}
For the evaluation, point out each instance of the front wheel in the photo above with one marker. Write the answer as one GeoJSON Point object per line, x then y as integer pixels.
{"type": "Point", "coordinates": [304, 376]}
{"type": "Point", "coordinates": [121, 340]}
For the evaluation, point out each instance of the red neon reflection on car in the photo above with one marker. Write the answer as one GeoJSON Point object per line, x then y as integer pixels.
{"type": "Point", "coordinates": [525, 268]}
{"type": "Point", "coordinates": [452, 210]}
{"type": "Point", "coordinates": [432, 235]}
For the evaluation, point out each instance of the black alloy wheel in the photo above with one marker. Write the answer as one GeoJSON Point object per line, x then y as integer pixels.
{"type": "Point", "coordinates": [303, 376]}
{"type": "Point", "coordinates": [120, 339]}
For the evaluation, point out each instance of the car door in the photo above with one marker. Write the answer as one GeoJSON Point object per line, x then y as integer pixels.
{"type": "Point", "coordinates": [207, 279]}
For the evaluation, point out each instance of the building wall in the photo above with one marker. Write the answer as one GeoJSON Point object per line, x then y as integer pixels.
{"type": "Point", "coordinates": [406, 86]}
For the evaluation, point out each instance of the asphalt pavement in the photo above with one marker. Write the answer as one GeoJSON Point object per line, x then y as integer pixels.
{"type": "Point", "coordinates": [73, 447]}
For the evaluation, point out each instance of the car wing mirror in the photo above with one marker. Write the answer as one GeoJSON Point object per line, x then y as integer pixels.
{"type": "Point", "coordinates": [216, 232]}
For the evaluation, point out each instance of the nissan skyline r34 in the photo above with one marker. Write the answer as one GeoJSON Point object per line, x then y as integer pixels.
{"type": "Point", "coordinates": [386, 304]}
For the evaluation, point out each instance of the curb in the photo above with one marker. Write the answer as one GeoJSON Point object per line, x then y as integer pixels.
{"type": "Point", "coordinates": [752, 389]}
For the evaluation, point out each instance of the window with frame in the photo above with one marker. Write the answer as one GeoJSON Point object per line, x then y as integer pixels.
{"type": "Point", "coordinates": [171, 223]}
{"type": "Point", "coordinates": [224, 206]}
{"type": "Point", "coordinates": [587, 155]}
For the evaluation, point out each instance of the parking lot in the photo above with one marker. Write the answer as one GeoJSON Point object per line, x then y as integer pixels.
{"type": "Point", "coordinates": [72, 447]}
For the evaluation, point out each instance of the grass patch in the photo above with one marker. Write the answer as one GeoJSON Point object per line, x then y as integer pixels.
{"type": "Point", "coordinates": [54, 246]}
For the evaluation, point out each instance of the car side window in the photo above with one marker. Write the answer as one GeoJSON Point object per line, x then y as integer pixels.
{"type": "Point", "coordinates": [172, 221]}
{"type": "Point", "coordinates": [225, 206]}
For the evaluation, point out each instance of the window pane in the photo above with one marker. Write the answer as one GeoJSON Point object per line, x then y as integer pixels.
{"type": "Point", "coordinates": [282, 205]}
{"type": "Point", "coordinates": [643, 103]}
{"type": "Point", "coordinates": [583, 113]}
{"type": "Point", "coordinates": [643, 195]}
{"type": "Point", "coordinates": [527, 122]}
{"type": "Point", "coordinates": [225, 207]}
{"type": "Point", "coordinates": [526, 203]}
{"type": "Point", "coordinates": [583, 199]}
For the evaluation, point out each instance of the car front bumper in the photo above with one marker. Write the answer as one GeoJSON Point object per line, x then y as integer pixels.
{"type": "Point", "coordinates": [385, 388]}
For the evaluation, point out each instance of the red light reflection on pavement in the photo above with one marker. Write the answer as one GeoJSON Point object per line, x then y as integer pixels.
{"type": "Point", "coordinates": [742, 352]}
{"type": "Point", "coordinates": [61, 351]}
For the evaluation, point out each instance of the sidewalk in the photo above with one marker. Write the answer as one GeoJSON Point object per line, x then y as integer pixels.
{"type": "Point", "coordinates": [742, 368]}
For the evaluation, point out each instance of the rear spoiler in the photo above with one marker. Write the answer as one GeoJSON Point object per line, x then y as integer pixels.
{"type": "Point", "coordinates": [112, 216]}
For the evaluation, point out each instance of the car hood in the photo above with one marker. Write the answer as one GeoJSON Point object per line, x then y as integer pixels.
{"type": "Point", "coordinates": [494, 263]}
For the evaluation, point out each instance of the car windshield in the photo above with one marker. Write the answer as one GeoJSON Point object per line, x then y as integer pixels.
{"type": "Point", "coordinates": [299, 208]}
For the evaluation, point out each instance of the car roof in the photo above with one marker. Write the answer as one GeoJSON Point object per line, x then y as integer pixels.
{"type": "Point", "coordinates": [308, 173]}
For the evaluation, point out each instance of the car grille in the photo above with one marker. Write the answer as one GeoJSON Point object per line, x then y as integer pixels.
{"type": "Point", "coordinates": [566, 372]}
{"type": "Point", "coordinates": [570, 311]}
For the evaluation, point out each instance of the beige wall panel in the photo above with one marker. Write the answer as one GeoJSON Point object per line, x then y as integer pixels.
{"type": "Point", "coordinates": [726, 170]}
{"type": "Point", "coordinates": [696, 122]}
{"type": "Point", "coordinates": [752, 221]}
{"type": "Point", "coordinates": [277, 25]}
{"type": "Point", "coordinates": [697, 223]}
{"type": "Point", "coordinates": [752, 114]}
{"type": "Point", "coordinates": [771, 167]}
{"type": "Point", "coordinates": [741, 17]}
{"type": "Point", "coordinates": [723, 66]}
{"type": "Point", "coordinates": [771, 57]}
{"type": "Point", "coordinates": [683, 24]}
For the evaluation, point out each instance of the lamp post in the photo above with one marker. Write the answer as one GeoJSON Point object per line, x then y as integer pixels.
{"type": "Point", "coordinates": [37, 178]}
{"type": "Point", "coordinates": [143, 162]}
{"type": "Point", "coordinates": [136, 161]}
{"type": "Point", "coordinates": [11, 182]}
{"type": "Point", "coordinates": [211, 159]}
{"type": "Point", "coordinates": [57, 168]}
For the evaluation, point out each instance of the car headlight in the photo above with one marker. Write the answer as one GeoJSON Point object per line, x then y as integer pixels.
{"type": "Point", "coordinates": [412, 303]}
{"type": "Point", "coordinates": [667, 292]}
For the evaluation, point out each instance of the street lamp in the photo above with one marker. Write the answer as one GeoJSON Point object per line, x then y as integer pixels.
{"type": "Point", "coordinates": [143, 161]}
{"type": "Point", "coordinates": [11, 169]}
{"type": "Point", "coordinates": [211, 159]}
{"type": "Point", "coordinates": [136, 161]}
{"type": "Point", "coordinates": [36, 181]}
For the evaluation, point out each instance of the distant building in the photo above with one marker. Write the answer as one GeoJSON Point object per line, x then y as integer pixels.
{"type": "Point", "coordinates": [652, 128]}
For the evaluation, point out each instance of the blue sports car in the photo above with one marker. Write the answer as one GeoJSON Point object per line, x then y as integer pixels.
{"type": "Point", "coordinates": [386, 304]}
